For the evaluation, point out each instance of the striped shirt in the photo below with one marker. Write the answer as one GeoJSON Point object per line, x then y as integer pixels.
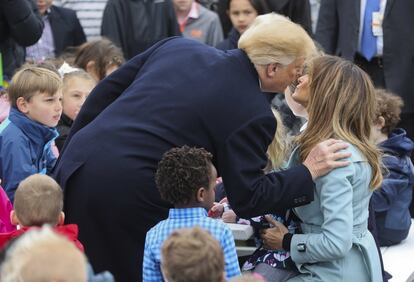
{"type": "Point", "coordinates": [187, 218]}
{"type": "Point", "coordinates": [90, 14]}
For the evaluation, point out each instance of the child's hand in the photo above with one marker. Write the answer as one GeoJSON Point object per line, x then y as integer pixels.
{"type": "Point", "coordinates": [216, 211]}
{"type": "Point", "coordinates": [229, 216]}
{"type": "Point", "coordinates": [273, 237]}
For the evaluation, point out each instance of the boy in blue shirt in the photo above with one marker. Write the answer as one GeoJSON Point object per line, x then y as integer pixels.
{"type": "Point", "coordinates": [186, 178]}
{"type": "Point", "coordinates": [28, 132]}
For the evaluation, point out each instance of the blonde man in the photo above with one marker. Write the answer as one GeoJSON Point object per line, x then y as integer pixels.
{"type": "Point", "coordinates": [191, 255]}
{"type": "Point", "coordinates": [186, 93]}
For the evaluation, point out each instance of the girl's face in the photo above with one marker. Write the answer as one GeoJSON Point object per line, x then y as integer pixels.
{"type": "Point", "coordinates": [301, 94]}
{"type": "Point", "coordinates": [241, 14]}
{"type": "Point", "coordinates": [75, 92]}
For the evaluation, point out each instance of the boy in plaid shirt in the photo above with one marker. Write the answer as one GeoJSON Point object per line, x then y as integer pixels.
{"type": "Point", "coordinates": [186, 178]}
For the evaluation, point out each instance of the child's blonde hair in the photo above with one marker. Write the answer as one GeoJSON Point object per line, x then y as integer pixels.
{"type": "Point", "coordinates": [31, 80]}
{"type": "Point", "coordinates": [38, 200]}
{"type": "Point", "coordinates": [192, 255]}
{"type": "Point", "coordinates": [278, 149]}
{"type": "Point", "coordinates": [388, 106]}
{"type": "Point", "coordinates": [42, 255]}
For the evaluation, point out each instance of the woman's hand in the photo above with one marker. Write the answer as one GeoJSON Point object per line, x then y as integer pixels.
{"type": "Point", "coordinates": [273, 237]}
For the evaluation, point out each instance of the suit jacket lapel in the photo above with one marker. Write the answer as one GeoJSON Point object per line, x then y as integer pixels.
{"type": "Point", "coordinates": [388, 7]}
{"type": "Point", "coordinates": [56, 26]}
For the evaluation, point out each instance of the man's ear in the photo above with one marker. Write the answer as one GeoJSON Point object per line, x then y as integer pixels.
{"type": "Point", "coordinates": [61, 219]}
{"type": "Point", "coordinates": [13, 218]}
{"type": "Point", "coordinates": [21, 104]}
{"type": "Point", "coordinates": [271, 69]}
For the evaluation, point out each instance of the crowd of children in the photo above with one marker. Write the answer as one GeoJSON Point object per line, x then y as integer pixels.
{"type": "Point", "coordinates": [322, 240]}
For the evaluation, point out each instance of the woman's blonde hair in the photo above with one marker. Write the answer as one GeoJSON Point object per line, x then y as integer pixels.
{"type": "Point", "coordinates": [273, 38]}
{"type": "Point", "coordinates": [33, 79]}
{"type": "Point", "coordinates": [341, 105]}
{"type": "Point", "coordinates": [278, 149]}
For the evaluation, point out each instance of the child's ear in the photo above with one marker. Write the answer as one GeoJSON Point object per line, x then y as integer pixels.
{"type": "Point", "coordinates": [381, 121]}
{"type": "Point", "coordinates": [223, 278]}
{"type": "Point", "coordinates": [200, 195]}
{"type": "Point", "coordinates": [61, 220]}
{"type": "Point", "coordinates": [21, 104]}
{"type": "Point", "coordinates": [13, 218]}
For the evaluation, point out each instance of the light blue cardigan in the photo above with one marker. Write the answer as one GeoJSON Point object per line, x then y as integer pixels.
{"type": "Point", "coordinates": [336, 244]}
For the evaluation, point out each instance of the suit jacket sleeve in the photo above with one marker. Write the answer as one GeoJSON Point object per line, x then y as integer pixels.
{"type": "Point", "coordinates": [241, 161]}
{"type": "Point", "coordinates": [335, 240]}
{"type": "Point", "coordinates": [79, 36]}
{"type": "Point", "coordinates": [215, 35]}
{"type": "Point", "coordinates": [24, 21]}
{"type": "Point", "coordinates": [327, 27]}
{"type": "Point", "coordinates": [173, 28]}
{"type": "Point", "coordinates": [112, 26]}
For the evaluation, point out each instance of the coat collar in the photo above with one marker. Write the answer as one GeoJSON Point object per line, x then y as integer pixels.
{"type": "Point", "coordinates": [36, 132]}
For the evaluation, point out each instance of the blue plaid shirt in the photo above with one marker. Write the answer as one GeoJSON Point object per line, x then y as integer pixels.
{"type": "Point", "coordinates": [187, 218]}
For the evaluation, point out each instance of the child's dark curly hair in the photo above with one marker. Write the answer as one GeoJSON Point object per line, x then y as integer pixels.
{"type": "Point", "coordinates": [181, 172]}
{"type": "Point", "coordinates": [388, 105]}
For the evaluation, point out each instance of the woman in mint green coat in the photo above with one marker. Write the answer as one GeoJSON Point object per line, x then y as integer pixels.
{"type": "Point", "coordinates": [336, 244]}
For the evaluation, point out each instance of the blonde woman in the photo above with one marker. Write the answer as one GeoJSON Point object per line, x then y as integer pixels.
{"type": "Point", "coordinates": [336, 244]}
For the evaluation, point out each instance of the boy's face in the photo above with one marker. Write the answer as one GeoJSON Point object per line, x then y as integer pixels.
{"type": "Point", "coordinates": [44, 108]}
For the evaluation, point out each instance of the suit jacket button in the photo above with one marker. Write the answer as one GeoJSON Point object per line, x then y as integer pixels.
{"type": "Point", "coordinates": [301, 247]}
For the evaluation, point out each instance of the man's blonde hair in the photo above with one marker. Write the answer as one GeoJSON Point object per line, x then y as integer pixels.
{"type": "Point", "coordinates": [192, 255]}
{"type": "Point", "coordinates": [273, 38]}
{"type": "Point", "coordinates": [42, 255]}
{"type": "Point", "coordinates": [31, 80]}
{"type": "Point", "coordinates": [38, 200]}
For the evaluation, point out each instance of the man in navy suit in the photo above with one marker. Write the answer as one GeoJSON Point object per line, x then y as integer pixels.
{"type": "Point", "coordinates": [183, 92]}
{"type": "Point", "coordinates": [62, 29]}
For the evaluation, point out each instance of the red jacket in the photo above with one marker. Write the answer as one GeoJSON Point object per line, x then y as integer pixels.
{"type": "Point", "coordinates": [70, 231]}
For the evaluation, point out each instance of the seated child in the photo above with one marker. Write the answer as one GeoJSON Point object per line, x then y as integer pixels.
{"type": "Point", "coordinates": [38, 201]}
{"type": "Point", "coordinates": [192, 255]}
{"type": "Point", "coordinates": [186, 177]}
{"type": "Point", "coordinates": [391, 202]}
{"type": "Point", "coordinates": [77, 84]}
{"type": "Point", "coordinates": [42, 255]}
{"type": "Point", "coordinates": [264, 261]}
{"type": "Point", "coordinates": [27, 134]}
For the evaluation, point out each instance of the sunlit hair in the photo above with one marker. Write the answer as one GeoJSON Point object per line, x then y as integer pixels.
{"type": "Point", "coordinates": [388, 106]}
{"type": "Point", "coordinates": [38, 200]}
{"type": "Point", "coordinates": [277, 150]}
{"type": "Point", "coordinates": [31, 80]}
{"type": "Point", "coordinates": [273, 38]}
{"type": "Point", "coordinates": [192, 255]}
{"type": "Point", "coordinates": [76, 74]}
{"type": "Point", "coordinates": [341, 105]}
